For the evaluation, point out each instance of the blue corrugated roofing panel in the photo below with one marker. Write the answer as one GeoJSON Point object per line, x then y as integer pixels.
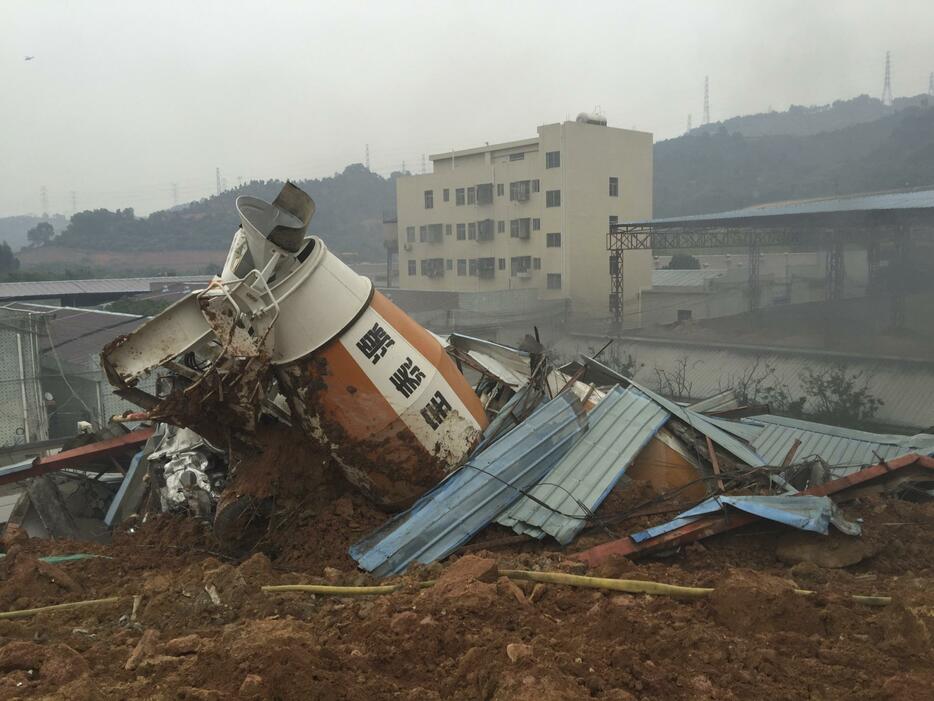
{"type": "Point", "coordinates": [475, 494]}
{"type": "Point", "coordinates": [698, 422]}
{"type": "Point", "coordinates": [618, 428]}
{"type": "Point", "coordinates": [843, 448]}
{"type": "Point", "coordinates": [923, 199]}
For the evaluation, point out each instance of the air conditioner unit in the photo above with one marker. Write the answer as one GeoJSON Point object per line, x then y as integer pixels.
{"type": "Point", "coordinates": [525, 275]}
{"type": "Point", "coordinates": [407, 247]}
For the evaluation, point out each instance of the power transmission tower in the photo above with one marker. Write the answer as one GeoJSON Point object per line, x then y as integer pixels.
{"type": "Point", "coordinates": [367, 156]}
{"type": "Point", "coordinates": [887, 85]}
{"type": "Point", "coordinates": [217, 177]}
{"type": "Point", "coordinates": [706, 100]}
{"type": "Point", "coordinates": [44, 201]}
{"type": "Point", "coordinates": [689, 123]}
{"type": "Point", "coordinates": [175, 194]}
{"type": "Point", "coordinates": [74, 202]}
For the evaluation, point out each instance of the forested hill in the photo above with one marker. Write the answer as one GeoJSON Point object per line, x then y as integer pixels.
{"type": "Point", "coordinates": [704, 172]}
{"type": "Point", "coordinates": [801, 120]}
{"type": "Point", "coordinates": [349, 218]}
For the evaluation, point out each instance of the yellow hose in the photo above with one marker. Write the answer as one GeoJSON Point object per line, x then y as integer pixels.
{"type": "Point", "coordinates": [629, 586]}
{"type": "Point", "coordinates": [23, 613]}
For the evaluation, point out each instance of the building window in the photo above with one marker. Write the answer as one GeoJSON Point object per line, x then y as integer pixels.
{"type": "Point", "coordinates": [553, 198]}
{"type": "Point", "coordinates": [536, 264]}
{"type": "Point", "coordinates": [484, 193]}
{"type": "Point", "coordinates": [459, 196]}
{"type": "Point", "coordinates": [516, 156]}
{"type": "Point", "coordinates": [472, 267]}
{"type": "Point", "coordinates": [519, 265]}
{"type": "Point", "coordinates": [485, 230]}
{"type": "Point", "coordinates": [410, 234]}
{"type": "Point", "coordinates": [472, 231]}
{"type": "Point", "coordinates": [554, 281]}
{"type": "Point", "coordinates": [447, 229]}
{"type": "Point", "coordinates": [486, 267]}
{"type": "Point", "coordinates": [412, 267]}
{"type": "Point", "coordinates": [519, 191]}
{"type": "Point", "coordinates": [471, 195]}
{"type": "Point", "coordinates": [449, 264]}
{"type": "Point", "coordinates": [536, 185]}
{"type": "Point", "coordinates": [553, 240]}
{"type": "Point", "coordinates": [433, 267]}
{"type": "Point", "coordinates": [552, 159]}
{"type": "Point", "coordinates": [519, 228]}
{"type": "Point", "coordinates": [502, 263]}
{"type": "Point", "coordinates": [614, 187]}
{"type": "Point", "coordinates": [422, 234]}
{"type": "Point", "coordinates": [500, 189]}
{"type": "Point", "coordinates": [434, 233]}
{"type": "Point", "coordinates": [461, 267]}
{"type": "Point", "coordinates": [501, 227]}
{"type": "Point", "coordinates": [461, 232]}
{"type": "Point", "coordinates": [536, 224]}
{"type": "Point", "coordinates": [429, 199]}
{"type": "Point", "coordinates": [614, 220]}
{"type": "Point", "coordinates": [446, 195]}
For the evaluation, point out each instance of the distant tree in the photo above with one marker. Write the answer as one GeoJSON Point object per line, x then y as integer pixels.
{"type": "Point", "coordinates": [683, 261]}
{"type": "Point", "coordinates": [40, 234]}
{"type": "Point", "coordinates": [839, 397]}
{"type": "Point", "coordinates": [8, 262]}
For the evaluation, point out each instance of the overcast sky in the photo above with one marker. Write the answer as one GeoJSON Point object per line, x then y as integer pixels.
{"type": "Point", "coordinates": [123, 99]}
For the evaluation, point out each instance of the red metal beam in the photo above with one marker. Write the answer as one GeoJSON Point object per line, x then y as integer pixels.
{"type": "Point", "coordinates": [710, 525]}
{"type": "Point", "coordinates": [76, 457]}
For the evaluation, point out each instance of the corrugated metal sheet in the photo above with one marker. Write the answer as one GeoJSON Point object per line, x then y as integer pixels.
{"type": "Point", "coordinates": [923, 199]}
{"type": "Point", "coordinates": [719, 402]}
{"type": "Point", "coordinates": [843, 448]}
{"type": "Point", "coordinates": [699, 422]}
{"type": "Point", "coordinates": [474, 495]}
{"type": "Point", "coordinates": [619, 427]}
{"type": "Point", "coordinates": [806, 512]}
{"type": "Point", "coordinates": [684, 278]}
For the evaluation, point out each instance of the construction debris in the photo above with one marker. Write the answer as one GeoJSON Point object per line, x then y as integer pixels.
{"type": "Point", "coordinates": [245, 520]}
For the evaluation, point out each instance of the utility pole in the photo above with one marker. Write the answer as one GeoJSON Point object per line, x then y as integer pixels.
{"type": "Point", "coordinates": [403, 167]}
{"type": "Point", "coordinates": [706, 99]}
{"type": "Point", "coordinates": [887, 85]}
{"type": "Point", "coordinates": [689, 124]}
{"type": "Point", "coordinates": [367, 156]}
{"type": "Point", "coordinates": [44, 201]}
{"type": "Point", "coordinates": [217, 177]}
{"type": "Point", "coordinates": [175, 194]}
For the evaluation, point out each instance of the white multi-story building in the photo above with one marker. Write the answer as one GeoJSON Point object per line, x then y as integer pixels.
{"type": "Point", "coordinates": [529, 214]}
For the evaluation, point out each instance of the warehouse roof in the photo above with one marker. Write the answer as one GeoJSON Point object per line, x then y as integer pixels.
{"type": "Point", "coordinates": [921, 201]}
{"type": "Point", "coordinates": [48, 289]}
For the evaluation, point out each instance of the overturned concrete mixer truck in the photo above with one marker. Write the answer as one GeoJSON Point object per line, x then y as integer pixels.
{"type": "Point", "coordinates": [290, 331]}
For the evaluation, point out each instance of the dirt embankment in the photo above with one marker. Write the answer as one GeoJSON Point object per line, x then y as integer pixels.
{"type": "Point", "coordinates": [205, 630]}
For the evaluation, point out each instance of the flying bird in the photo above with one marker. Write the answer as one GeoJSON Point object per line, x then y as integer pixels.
{"type": "Point", "coordinates": [30, 58]}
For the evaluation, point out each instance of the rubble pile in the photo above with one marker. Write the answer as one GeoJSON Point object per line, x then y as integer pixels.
{"type": "Point", "coordinates": [322, 499]}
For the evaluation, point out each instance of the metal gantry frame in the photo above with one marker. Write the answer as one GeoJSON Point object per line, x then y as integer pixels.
{"type": "Point", "coordinates": [831, 234]}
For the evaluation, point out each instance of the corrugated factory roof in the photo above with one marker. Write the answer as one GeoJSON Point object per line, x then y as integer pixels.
{"type": "Point", "coordinates": [836, 446]}
{"type": "Point", "coordinates": [923, 199]}
{"type": "Point", "coordinates": [684, 278]}
{"type": "Point", "coordinates": [41, 289]}
{"type": "Point", "coordinates": [470, 498]}
{"type": "Point", "coordinates": [619, 427]}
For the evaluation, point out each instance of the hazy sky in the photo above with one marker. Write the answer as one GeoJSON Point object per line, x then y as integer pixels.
{"type": "Point", "coordinates": [125, 98]}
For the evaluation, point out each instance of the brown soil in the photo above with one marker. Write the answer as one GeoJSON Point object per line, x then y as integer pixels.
{"type": "Point", "coordinates": [205, 630]}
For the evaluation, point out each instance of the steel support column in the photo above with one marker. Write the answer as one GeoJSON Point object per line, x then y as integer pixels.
{"type": "Point", "coordinates": [755, 289]}
{"type": "Point", "coordinates": [836, 270]}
